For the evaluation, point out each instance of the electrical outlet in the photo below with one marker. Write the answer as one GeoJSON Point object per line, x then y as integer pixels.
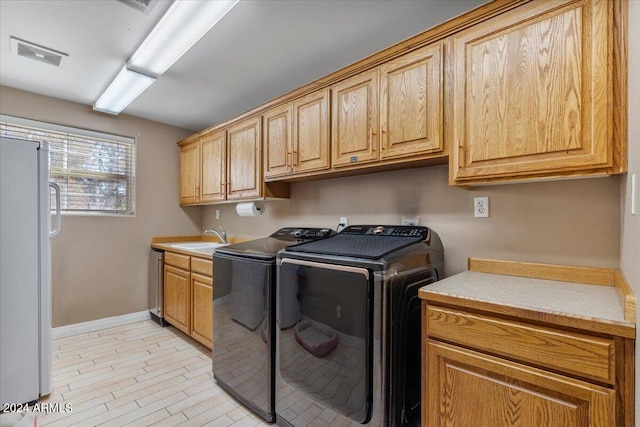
{"type": "Point", "coordinates": [410, 221]}
{"type": "Point", "coordinates": [217, 213]}
{"type": "Point", "coordinates": [481, 207]}
{"type": "Point", "coordinates": [344, 220]}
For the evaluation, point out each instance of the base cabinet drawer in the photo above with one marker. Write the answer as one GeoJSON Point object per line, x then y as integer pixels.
{"type": "Point", "coordinates": [177, 260]}
{"type": "Point", "coordinates": [572, 353]}
{"type": "Point", "coordinates": [202, 266]}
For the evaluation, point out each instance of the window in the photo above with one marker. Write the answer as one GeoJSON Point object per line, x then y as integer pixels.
{"type": "Point", "coordinates": [95, 171]}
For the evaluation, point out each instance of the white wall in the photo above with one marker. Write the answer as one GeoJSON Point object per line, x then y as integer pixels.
{"type": "Point", "coordinates": [630, 227]}
{"type": "Point", "coordinates": [575, 222]}
{"type": "Point", "coordinates": [99, 264]}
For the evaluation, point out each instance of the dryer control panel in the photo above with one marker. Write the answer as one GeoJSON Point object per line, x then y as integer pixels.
{"type": "Point", "coordinates": [388, 230]}
{"type": "Point", "coordinates": [302, 233]}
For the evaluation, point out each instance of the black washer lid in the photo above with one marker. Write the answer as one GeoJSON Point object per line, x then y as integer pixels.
{"type": "Point", "coordinates": [369, 242]}
{"type": "Point", "coordinates": [267, 248]}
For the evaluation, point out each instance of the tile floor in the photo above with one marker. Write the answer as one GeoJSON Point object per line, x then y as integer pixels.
{"type": "Point", "coordinates": [137, 375]}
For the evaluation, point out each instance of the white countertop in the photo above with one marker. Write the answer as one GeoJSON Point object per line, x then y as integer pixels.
{"type": "Point", "coordinates": [590, 301]}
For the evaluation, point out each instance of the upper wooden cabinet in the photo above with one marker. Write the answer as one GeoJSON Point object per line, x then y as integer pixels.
{"type": "Point", "coordinates": [311, 145]}
{"type": "Point", "coordinates": [514, 90]}
{"type": "Point", "coordinates": [278, 141]}
{"type": "Point", "coordinates": [533, 94]}
{"type": "Point", "coordinates": [226, 165]}
{"type": "Point", "coordinates": [214, 155]}
{"type": "Point", "coordinates": [244, 163]}
{"type": "Point", "coordinates": [412, 103]}
{"type": "Point", "coordinates": [355, 119]}
{"type": "Point", "coordinates": [202, 169]}
{"type": "Point", "coordinates": [296, 136]}
{"type": "Point", "coordinates": [190, 170]}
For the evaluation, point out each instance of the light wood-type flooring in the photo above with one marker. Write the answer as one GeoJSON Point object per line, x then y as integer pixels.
{"type": "Point", "coordinates": [137, 375]}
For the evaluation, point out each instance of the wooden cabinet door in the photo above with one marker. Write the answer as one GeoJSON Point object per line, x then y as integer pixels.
{"type": "Point", "coordinates": [202, 314]}
{"type": "Point", "coordinates": [214, 165]}
{"type": "Point", "coordinates": [412, 104]}
{"type": "Point", "coordinates": [311, 132]}
{"type": "Point", "coordinates": [244, 160]}
{"type": "Point", "coordinates": [177, 298]}
{"type": "Point", "coordinates": [531, 92]}
{"type": "Point", "coordinates": [467, 388]}
{"type": "Point", "coordinates": [355, 119]}
{"type": "Point", "coordinates": [278, 141]}
{"type": "Point", "coordinates": [190, 173]}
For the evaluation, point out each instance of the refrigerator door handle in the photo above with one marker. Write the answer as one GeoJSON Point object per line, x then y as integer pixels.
{"type": "Point", "coordinates": [56, 230]}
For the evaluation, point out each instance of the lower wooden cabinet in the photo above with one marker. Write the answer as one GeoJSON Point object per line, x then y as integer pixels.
{"type": "Point", "coordinates": [188, 295]}
{"type": "Point", "coordinates": [489, 368]}
{"type": "Point", "coordinates": [202, 308]}
{"type": "Point", "coordinates": [468, 388]}
{"type": "Point", "coordinates": [177, 297]}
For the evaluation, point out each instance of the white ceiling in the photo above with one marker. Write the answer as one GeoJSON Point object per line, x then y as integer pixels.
{"type": "Point", "coordinates": [262, 49]}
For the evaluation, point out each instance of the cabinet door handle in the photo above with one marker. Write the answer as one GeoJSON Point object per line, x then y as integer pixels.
{"type": "Point", "coordinates": [460, 152]}
{"type": "Point", "coordinates": [289, 159]}
{"type": "Point", "coordinates": [295, 157]}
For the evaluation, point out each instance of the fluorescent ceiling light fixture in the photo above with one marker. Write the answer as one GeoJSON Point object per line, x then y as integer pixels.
{"type": "Point", "coordinates": [180, 28]}
{"type": "Point", "coordinates": [126, 87]}
{"type": "Point", "coordinates": [184, 23]}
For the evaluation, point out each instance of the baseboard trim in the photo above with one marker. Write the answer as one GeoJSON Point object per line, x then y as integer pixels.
{"type": "Point", "coordinates": [99, 324]}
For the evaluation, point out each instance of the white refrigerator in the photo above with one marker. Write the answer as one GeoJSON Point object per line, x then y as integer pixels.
{"type": "Point", "coordinates": [25, 270]}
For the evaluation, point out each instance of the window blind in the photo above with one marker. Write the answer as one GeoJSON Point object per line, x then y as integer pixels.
{"type": "Point", "coordinates": [95, 171]}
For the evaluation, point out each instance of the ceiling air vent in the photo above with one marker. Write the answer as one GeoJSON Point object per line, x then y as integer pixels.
{"type": "Point", "coordinates": [143, 6]}
{"type": "Point", "coordinates": [39, 53]}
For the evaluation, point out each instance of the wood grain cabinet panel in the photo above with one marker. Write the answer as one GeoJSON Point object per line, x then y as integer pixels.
{"type": "Point", "coordinates": [214, 149]}
{"type": "Point", "coordinates": [177, 297]}
{"type": "Point", "coordinates": [188, 295]}
{"type": "Point", "coordinates": [202, 266]}
{"type": "Point", "coordinates": [586, 356]}
{"type": "Point", "coordinates": [278, 141]}
{"type": "Point", "coordinates": [311, 132]}
{"type": "Point", "coordinates": [202, 169]}
{"type": "Point", "coordinates": [177, 260]}
{"type": "Point", "coordinates": [190, 173]}
{"type": "Point", "coordinates": [486, 365]}
{"type": "Point", "coordinates": [296, 136]}
{"type": "Point", "coordinates": [355, 120]}
{"type": "Point", "coordinates": [244, 161]}
{"type": "Point", "coordinates": [532, 93]}
{"type": "Point", "coordinates": [202, 310]}
{"type": "Point", "coordinates": [412, 103]}
{"type": "Point", "coordinates": [468, 388]}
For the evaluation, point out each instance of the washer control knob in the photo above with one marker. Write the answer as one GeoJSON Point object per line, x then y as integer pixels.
{"type": "Point", "coordinates": [378, 230]}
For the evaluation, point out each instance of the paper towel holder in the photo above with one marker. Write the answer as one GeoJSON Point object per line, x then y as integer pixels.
{"type": "Point", "coordinates": [250, 209]}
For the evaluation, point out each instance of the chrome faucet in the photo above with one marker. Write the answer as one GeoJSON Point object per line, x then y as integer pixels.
{"type": "Point", "coordinates": [222, 236]}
